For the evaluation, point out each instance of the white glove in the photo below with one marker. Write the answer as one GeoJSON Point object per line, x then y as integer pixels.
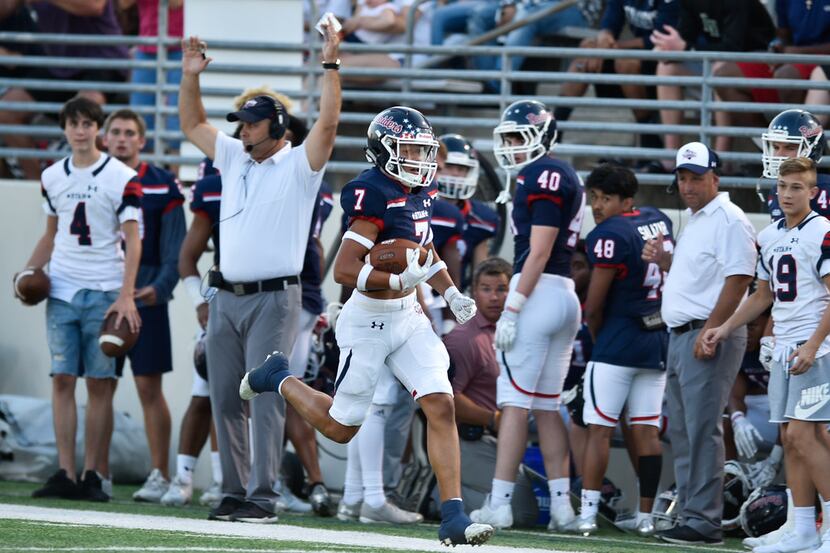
{"type": "Point", "coordinates": [765, 352]}
{"type": "Point", "coordinates": [414, 274]}
{"type": "Point", "coordinates": [506, 326]}
{"type": "Point", "coordinates": [463, 307]}
{"type": "Point", "coordinates": [746, 435]}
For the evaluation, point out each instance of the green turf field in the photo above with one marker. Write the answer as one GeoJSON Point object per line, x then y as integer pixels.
{"type": "Point", "coordinates": [84, 526]}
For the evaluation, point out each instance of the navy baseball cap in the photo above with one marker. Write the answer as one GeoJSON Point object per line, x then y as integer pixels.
{"type": "Point", "coordinates": [256, 109]}
{"type": "Point", "coordinates": [697, 158]}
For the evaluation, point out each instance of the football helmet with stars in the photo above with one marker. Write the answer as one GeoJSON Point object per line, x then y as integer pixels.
{"type": "Point", "coordinates": [458, 182]}
{"type": "Point", "coordinates": [793, 126]}
{"type": "Point", "coordinates": [526, 132]}
{"type": "Point", "coordinates": [402, 145]}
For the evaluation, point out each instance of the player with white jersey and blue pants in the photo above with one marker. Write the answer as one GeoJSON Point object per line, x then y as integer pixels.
{"type": "Point", "coordinates": [535, 334]}
{"type": "Point", "coordinates": [382, 324]}
{"type": "Point", "coordinates": [623, 308]}
{"type": "Point", "coordinates": [794, 276]}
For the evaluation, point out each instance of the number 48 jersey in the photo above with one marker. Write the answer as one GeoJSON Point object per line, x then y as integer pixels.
{"type": "Point", "coordinates": [793, 261]}
{"type": "Point", "coordinates": [399, 212]}
{"type": "Point", "coordinates": [635, 293]}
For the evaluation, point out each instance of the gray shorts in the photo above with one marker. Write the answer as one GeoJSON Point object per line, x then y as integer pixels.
{"type": "Point", "coordinates": [804, 397]}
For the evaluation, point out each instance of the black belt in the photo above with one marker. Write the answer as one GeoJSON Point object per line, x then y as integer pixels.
{"type": "Point", "coordinates": [691, 325]}
{"type": "Point", "coordinates": [216, 280]}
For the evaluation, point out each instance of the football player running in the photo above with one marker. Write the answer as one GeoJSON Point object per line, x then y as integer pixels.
{"type": "Point", "coordinates": [382, 323]}
{"type": "Point", "coordinates": [535, 334]}
{"type": "Point", "coordinates": [623, 308]}
{"type": "Point", "coordinates": [794, 276]}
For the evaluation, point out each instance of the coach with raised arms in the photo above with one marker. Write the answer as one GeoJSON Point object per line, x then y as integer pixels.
{"type": "Point", "coordinates": [269, 189]}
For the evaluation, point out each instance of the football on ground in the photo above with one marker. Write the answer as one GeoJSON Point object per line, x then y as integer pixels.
{"type": "Point", "coordinates": [31, 286]}
{"type": "Point", "coordinates": [116, 342]}
{"type": "Point", "coordinates": [390, 255]}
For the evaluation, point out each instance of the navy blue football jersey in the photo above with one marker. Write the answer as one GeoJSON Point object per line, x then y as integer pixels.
{"type": "Point", "coordinates": [636, 292]}
{"type": "Point", "coordinates": [447, 225]}
{"type": "Point", "coordinates": [311, 276]}
{"type": "Point", "coordinates": [162, 230]}
{"type": "Point", "coordinates": [397, 211]}
{"type": "Point", "coordinates": [548, 193]}
{"type": "Point", "coordinates": [482, 223]}
{"type": "Point", "coordinates": [820, 204]}
{"type": "Point", "coordinates": [582, 351]}
{"type": "Point", "coordinates": [207, 197]}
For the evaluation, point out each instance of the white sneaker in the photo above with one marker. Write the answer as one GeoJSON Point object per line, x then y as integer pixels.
{"type": "Point", "coordinates": [790, 542]}
{"type": "Point", "coordinates": [178, 494]}
{"type": "Point", "coordinates": [584, 526]}
{"type": "Point", "coordinates": [154, 487]}
{"type": "Point", "coordinates": [292, 503]}
{"type": "Point", "coordinates": [346, 512]}
{"type": "Point", "coordinates": [630, 525]}
{"type": "Point", "coordinates": [211, 496]}
{"type": "Point", "coordinates": [388, 512]}
{"type": "Point", "coordinates": [501, 517]}
{"type": "Point", "coordinates": [825, 543]}
{"type": "Point", "coordinates": [561, 515]}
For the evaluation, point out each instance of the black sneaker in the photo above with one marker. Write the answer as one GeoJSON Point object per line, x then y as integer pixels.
{"type": "Point", "coordinates": [686, 535]}
{"type": "Point", "coordinates": [253, 513]}
{"type": "Point", "coordinates": [92, 487]}
{"type": "Point", "coordinates": [58, 485]}
{"type": "Point", "coordinates": [320, 500]}
{"type": "Point", "coordinates": [225, 509]}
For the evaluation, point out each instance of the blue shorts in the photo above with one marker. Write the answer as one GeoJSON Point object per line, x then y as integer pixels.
{"type": "Point", "coordinates": [152, 352]}
{"type": "Point", "coordinates": [72, 331]}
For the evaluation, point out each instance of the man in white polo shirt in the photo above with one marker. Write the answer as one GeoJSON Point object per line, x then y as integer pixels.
{"type": "Point", "coordinates": [269, 189]}
{"type": "Point", "coordinates": [712, 266]}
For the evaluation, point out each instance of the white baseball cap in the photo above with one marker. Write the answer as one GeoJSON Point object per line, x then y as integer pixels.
{"type": "Point", "coordinates": [697, 158]}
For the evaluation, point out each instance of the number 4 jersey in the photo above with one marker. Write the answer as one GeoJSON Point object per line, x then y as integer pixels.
{"type": "Point", "coordinates": [632, 306]}
{"type": "Point", "coordinates": [793, 261]}
{"type": "Point", "coordinates": [90, 204]}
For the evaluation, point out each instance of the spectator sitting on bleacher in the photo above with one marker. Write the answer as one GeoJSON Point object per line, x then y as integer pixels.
{"type": "Point", "coordinates": [642, 17]}
{"type": "Point", "coordinates": [803, 28]}
{"type": "Point", "coordinates": [93, 17]}
{"type": "Point", "coordinates": [314, 9]}
{"type": "Point", "coordinates": [374, 22]}
{"type": "Point", "coordinates": [455, 20]}
{"type": "Point", "coordinates": [580, 15]}
{"type": "Point", "coordinates": [819, 96]}
{"type": "Point", "coordinates": [713, 25]}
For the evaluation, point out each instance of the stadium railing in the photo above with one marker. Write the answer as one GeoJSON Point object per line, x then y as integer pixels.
{"type": "Point", "coordinates": [426, 87]}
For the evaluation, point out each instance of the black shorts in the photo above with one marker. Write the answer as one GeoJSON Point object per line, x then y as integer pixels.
{"type": "Point", "coordinates": [61, 96]}
{"type": "Point", "coordinates": [152, 353]}
{"type": "Point", "coordinates": [647, 67]}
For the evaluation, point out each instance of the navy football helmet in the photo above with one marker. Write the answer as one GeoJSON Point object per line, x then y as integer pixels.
{"type": "Point", "coordinates": [794, 126]}
{"type": "Point", "coordinates": [736, 490]}
{"type": "Point", "coordinates": [460, 153]}
{"type": "Point", "coordinates": [764, 510]}
{"type": "Point", "coordinates": [402, 145]}
{"type": "Point", "coordinates": [200, 355]}
{"type": "Point", "coordinates": [533, 123]}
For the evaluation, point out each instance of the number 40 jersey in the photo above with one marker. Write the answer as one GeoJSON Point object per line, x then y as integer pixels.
{"type": "Point", "coordinates": [636, 292]}
{"type": "Point", "coordinates": [793, 261]}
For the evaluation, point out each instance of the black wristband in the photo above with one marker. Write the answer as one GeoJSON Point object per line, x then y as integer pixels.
{"type": "Point", "coordinates": [335, 65]}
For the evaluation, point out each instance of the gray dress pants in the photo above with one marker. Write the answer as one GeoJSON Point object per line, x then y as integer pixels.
{"type": "Point", "coordinates": [241, 331]}
{"type": "Point", "coordinates": [696, 396]}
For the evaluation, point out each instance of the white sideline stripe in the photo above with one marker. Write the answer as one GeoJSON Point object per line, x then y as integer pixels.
{"type": "Point", "coordinates": [282, 532]}
{"type": "Point", "coordinates": [172, 548]}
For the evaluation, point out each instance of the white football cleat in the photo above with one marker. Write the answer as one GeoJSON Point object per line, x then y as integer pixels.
{"type": "Point", "coordinates": [178, 494]}
{"type": "Point", "coordinates": [500, 517]}
{"type": "Point", "coordinates": [154, 487]}
{"type": "Point", "coordinates": [790, 542]}
{"type": "Point", "coordinates": [561, 516]}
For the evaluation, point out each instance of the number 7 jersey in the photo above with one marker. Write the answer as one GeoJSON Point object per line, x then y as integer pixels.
{"type": "Point", "coordinates": [90, 203]}
{"type": "Point", "coordinates": [793, 261]}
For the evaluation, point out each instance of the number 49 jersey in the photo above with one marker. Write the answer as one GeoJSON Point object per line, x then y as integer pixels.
{"type": "Point", "coordinates": [395, 209]}
{"type": "Point", "coordinates": [90, 203]}
{"type": "Point", "coordinates": [794, 261]}
{"type": "Point", "coordinates": [635, 293]}
{"type": "Point", "coordinates": [548, 193]}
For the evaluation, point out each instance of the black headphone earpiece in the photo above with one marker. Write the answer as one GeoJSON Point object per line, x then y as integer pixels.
{"type": "Point", "coordinates": [278, 125]}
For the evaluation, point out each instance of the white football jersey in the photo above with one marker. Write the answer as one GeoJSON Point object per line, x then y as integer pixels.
{"type": "Point", "coordinates": [794, 262]}
{"type": "Point", "coordinates": [90, 204]}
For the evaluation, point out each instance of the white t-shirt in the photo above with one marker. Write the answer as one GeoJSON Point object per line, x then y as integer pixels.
{"type": "Point", "coordinates": [794, 261]}
{"type": "Point", "coordinates": [375, 37]}
{"type": "Point", "coordinates": [91, 204]}
{"type": "Point", "coordinates": [717, 242]}
{"type": "Point", "coordinates": [266, 210]}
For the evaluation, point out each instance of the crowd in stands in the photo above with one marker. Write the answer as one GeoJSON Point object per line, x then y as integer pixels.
{"type": "Point", "coordinates": [636, 332]}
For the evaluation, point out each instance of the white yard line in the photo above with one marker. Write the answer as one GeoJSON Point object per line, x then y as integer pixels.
{"type": "Point", "coordinates": [279, 532]}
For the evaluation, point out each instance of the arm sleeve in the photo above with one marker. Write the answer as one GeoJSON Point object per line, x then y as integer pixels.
{"type": "Point", "coordinates": [667, 14]}
{"type": "Point", "coordinates": [130, 207]}
{"type": "Point", "coordinates": [613, 18]}
{"type": "Point", "coordinates": [173, 229]}
{"type": "Point", "coordinates": [360, 201]}
{"type": "Point", "coordinates": [736, 251]}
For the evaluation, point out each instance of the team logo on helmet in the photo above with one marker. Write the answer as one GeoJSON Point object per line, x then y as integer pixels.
{"type": "Point", "coordinates": [389, 123]}
{"type": "Point", "coordinates": [538, 118]}
{"type": "Point", "coordinates": [808, 132]}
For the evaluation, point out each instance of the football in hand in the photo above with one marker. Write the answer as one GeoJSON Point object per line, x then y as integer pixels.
{"type": "Point", "coordinates": [31, 286]}
{"type": "Point", "coordinates": [390, 255]}
{"type": "Point", "coordinates": [116, 342]}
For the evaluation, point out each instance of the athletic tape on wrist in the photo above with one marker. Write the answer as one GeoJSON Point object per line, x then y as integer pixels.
{"type": "Point", "coordinates": [363, 277]}
{"type": "Point", "coordinates": [193, 285]}
{"type": "Point", "coordinates": [433, 270]}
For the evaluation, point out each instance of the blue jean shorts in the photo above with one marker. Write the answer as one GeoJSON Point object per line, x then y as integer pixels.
{"type": "Point", "coordinates": [72, 332]}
